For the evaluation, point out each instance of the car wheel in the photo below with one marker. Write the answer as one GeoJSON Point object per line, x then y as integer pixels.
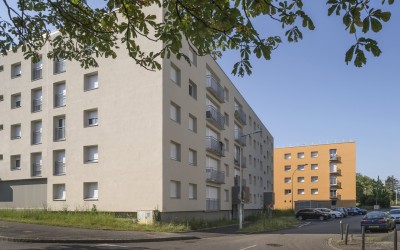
{"type": "Point", "coordinates": [300, 217]}
{"type": "Point", "coordinates": [333, 216]}
{"type": "Point", "coordinates": [321, 218]}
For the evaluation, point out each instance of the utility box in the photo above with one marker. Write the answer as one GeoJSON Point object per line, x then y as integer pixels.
{"type": "Point", "coordinates": [145, 217]}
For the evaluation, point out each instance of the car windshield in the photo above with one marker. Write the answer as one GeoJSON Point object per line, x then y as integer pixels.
{"type": "Point", "coordinates": [395, 212]}
{"type": "Point", "coordinates": [375, 215]}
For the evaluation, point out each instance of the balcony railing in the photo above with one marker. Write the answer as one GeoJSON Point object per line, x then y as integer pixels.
{"type": "Point", "coordinates": [240, 115]}
{"type": "Point", "coordinates": [335, 196]}
{"type": "Point", "coordinates": [59, 168]}
{"type": "Point", "coordinates": [212, 204]}
{"type": "Point", "coordinates": [36, 137]}
{"type": "Point", "coordinates": [215, 176]}
{"type": "Point", "coordinates": [237, 161]}
{"type": "Point", "coordinates": [59, 133]}
{"type": "Point", "coordinates": [239, 138]}
{"type": "Point", "coordinates": [36, 105]}
{"type": "Point", "coordinates": [214, 117]}
{"type": "Point", "coordinates": [215, 146]}
{"type": "Point", "coordinates": [59, 100]}
{"type": "Point", "coordinates": [36, 73]}
{"type": "Point", "coordinates": [215, 88]}
{"type": "Point", "coordinates": [336, 171]}
{"type": "Point", "coordinates": [337, 184]}
{"type": "Point", "coordinates": [59, 66]}
{"type": "Point", "coordinates": [36, 169]}
{"type": "Point", "coordinates": [334, 157]}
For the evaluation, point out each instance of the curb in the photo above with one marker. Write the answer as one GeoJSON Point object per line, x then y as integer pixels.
{"type": "Point", "coordinates": [90, 241]}
{"type": "Point", "coordinates": [331, 245]}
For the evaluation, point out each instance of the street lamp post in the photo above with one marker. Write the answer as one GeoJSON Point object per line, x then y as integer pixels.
{"type": "Point", "coordinates": [292, 185]}
{"type": "Point", "coordinates": [241, 208]}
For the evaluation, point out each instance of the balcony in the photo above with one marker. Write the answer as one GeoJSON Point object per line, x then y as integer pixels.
{"type": "Point", "coordinates": [337, 184]}
{"type": "Point", "coordinates": [240, 115]}
{"type": "Point", "coordinates": [59, 100]}
{"type": "Point", "coordinates": [237, 161]}
{"type": "Point", "coordinates": [36, 137]}
{"type": "Point", "coordinates": [59, 168]}
{"type": "Point", "coordinates": [59, 67]}
{"type": "Point", "coordinates": [214, 117]}
{"type": "Point", "coordinates": [212, 204]}
{"type": "Point", "coordinates": [214, 146]}
{"type": "Point", "coordinates": [59, 134]}
{"type": "Point", "coordinates": [335, 196]}
{"type": "Point", "coordinates": [239, 138]}
{"type": "Point", "coordinates": [334, 157]}
{"type": "Point", "coordinates": [36, 73]}
{"type": "Point", "coordinates": [337, 171]}
{"type": "Point", "coordinates": [36, 169]}
{"type": "Point", "coordinates": [216, 176]}
{"type": "Point", "coordinates": [215, 88]}
{"type": "Point", "coordinates": [36, 105]}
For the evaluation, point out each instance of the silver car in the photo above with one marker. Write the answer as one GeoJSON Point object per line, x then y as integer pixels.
{"type": "Point", "coordinates": [395, 214]}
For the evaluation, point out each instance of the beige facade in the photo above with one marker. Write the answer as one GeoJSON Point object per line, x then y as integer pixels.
{"type": "Point", "coordinates": [127, 139]}
{"type": "Point", "coordinates": [325, 173]}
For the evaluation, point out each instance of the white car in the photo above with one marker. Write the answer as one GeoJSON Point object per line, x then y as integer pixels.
{"type": "Point", "coordinates": [334, 214]}
{"type": "Point", "coordinates": [395, 214]}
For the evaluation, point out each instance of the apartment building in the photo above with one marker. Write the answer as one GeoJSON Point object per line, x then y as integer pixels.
{"type": "Point", "coordinates": [127, 139]}
{"type": "Point", "coordinates": [324, 173]}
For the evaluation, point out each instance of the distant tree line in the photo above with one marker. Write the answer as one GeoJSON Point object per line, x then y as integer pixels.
{"type": "Point", "coordinates": [374, 192]}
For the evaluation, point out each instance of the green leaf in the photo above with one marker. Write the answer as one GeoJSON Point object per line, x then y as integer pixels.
{"type": "Point", "coordinates": [347, 19]}
{"type": "Point", "coordinates": [349, 54]}
{"type": "Point", "coordinates": [360, 59]}
{"type": "Point", "coordinates": [376, 26]}
{"type": "Point", "coordinates": [366, 24]}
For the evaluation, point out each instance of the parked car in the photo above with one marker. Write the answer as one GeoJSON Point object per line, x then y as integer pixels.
{"type": "Point", "coordinates": [362, 211]}
{"type": "Point", "coordinates": [342, 210]}
{"type": "Point", "coordinates": [378, 220]}
{"type": "Point", "coordinates": [395, 213]}
{"type": "Point", "coordinates": [311, 213]}
{"type": "Point", "coordinates": [353, 211]}
{"type": "Point", "coordinates": [334, 214]}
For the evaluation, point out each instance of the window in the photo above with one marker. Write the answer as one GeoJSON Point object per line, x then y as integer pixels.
{"type": "Point", "coordinates": [250, 179]}
{"type": "Point", "coordinates": [59, 128]}
{"type": "Point", "coordinates": [16, 70]}
{"type": "Point", "coordinates": [59, 65]}
{"type": "Point", "coordinates": [60, 94]}
{"type": "Point", "coordinates": [288, 180]}
{"type": "Point", "coordinates": [91, 154]}
{"type": "Point", "coordinates": [37, 98]}
{"type": "Point", "coordinates": [300, 191]}
{"type": "Point", "coordinates": [314, 166]}
{"type": "Point", "coordinates": [1, 68]}
{"type": "Point", "coordinates": [192, 157]}
{"type": "Point", "coordinates": [288, 156]}
{"type": "Point", "coordinates": [226, 191]}
{"type": "Point", "coordinates": [15, 162]}
{"type": "Point", "coordinates": [300, 155]}
{"type": "Point", "coordinates": [192, 90]}
{"type": "Point", "coordinates": [36, 128]}
{"type": "Point", "coordinates": [314, 191]}
{"type": "Point", "coordinates": [192, 191]}
{"type": "Point", "coordinates": [314, 154]}
{"type": "Point", "coordinates": [175, 75]}
{"type": "Point", "coordinates": [226, 170]}
{"type": "Point", "coordinates": [91, 118]}
{"type": "Point", "coordinates": [226, 119]}
{"type": "Point", "coordinates": [59, 192]}
{"type": "Point", "coordinates": [192, 57]}
{"type": "Point", "coordinates": [91, 81]}
{"type": "Point", "coordinates": [37, 69]}
{"type": "Point", "coordinates": [16, 101]}
{"type": "Point", "coordinates": [175, 112]}
{"type": "Point", "coordinates": [1, 98]}
{"type": "Point", "coordinates": [90, 191]}
{"type": "Point", "coordinates": [15, 131]}
{"type": "Point", "coordinates": [226, 145]}
{"type": "Point", "coordinates": [288, 191]}
{"type": "Point", "coordinates": [175, 190]}
{"type": "Point", "coordinates": [300, 179]}
{"type": "Point", "coordinates": [288, 168]}
{"type": "Point", "coordinates": [314, 178]}
{"type": "Point", "coordinates": [1, 157]}
{"type": "Point", "coordinates": [226, 94]}
{"type": "Point", "coordinates": [175, 151]}
{"type": "Point", "coordinates": [59, 162]}
{"type": "Point", "coordinates": [333, 180]}
{"type": "Point", "coordinates": [192, 123]}
{"type": "Point", "coordinates": [1, 127]}
{"type": "Point", "coordinates": [300, 167]}
{"type": "Point", "coordinates": [36, 159]}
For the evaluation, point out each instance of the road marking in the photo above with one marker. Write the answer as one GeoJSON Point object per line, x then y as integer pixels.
{"type": "Point", "coordinates": [305, 224]}
{"type": "Point", "coordinates": [110, 245]}
{"type": "Point", "coordinates": [248, 247]}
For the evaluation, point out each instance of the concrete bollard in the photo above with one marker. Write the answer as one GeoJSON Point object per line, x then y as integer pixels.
{"type": "Point", "coordinates": [395, 238]}
{"type": "Point", "coordinates": [341, 230]}
{"type": "Point", "coordinates": [347, 234]}
{"type": "Point", "coordinates": [363, 238]}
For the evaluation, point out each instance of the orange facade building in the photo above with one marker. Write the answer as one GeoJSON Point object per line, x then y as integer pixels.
{"type": "Point", "coordinates": [325, 172]}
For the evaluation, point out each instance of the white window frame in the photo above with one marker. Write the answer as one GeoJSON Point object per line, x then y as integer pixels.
{"type": "Point", "coordinates": [175, 74]}
{"type": "Point", "coordinates": [288, 168]}
{"type": "Point", "coordinates": [314, 191]}
{"type": "Point", "coordinates": [91, 118]}
{"type": "Point", "coordinates": [91, 191]}
{"type": "Point", "coordinates": [314, 178]}
{"type": "Point", "coordinates": [59, 192]}
{"type": "Point", "coordinates": [175, 112]}
{"type": "Point", "coordinates": [16, 131]}
{"type": "Point", "coordinates": [16, 70]}
{"type": "Point", "coordinates": [288, 180]}
{"type": "Point", "coordinates": [288, 156]}
{"type": "Point", "coordinates": [91, 154]}
{"type": "Point", "coordinates": [175, 189]}
{"type": "Point", "coordinates": [288, 192]}
{"type": "Point", "coordinates": [300, 155]}
{"type": "Point", "coordinates": [192, 191]}
{"type": "Point", "coordinates": [314, 154]}
{"type": "Point", "coordinates": [192, 123]}
{"type": "Point", "coordinates": [91, 81]}
{"type": "Point", "coordinates": [192, 89]}
{"type": "Point", "coordinates": [192, 157]}
{"type": "Point", "coordinates": [300, 179]}
{"type": "Point", "coordinates": [175, 151]}
{"type": "Point", "coordinates": [15, 162]}
{"type": "Point", "coordinates": [314, 167]}
{"type": "Point", "coordinates": [300, 191]}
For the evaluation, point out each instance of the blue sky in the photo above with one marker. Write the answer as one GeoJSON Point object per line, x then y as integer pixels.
{"type": "Point", "coordinates": [307, 94]}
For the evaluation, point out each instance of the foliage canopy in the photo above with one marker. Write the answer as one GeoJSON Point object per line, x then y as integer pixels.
{"type": "Point", "coordinates": [209, 26]}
